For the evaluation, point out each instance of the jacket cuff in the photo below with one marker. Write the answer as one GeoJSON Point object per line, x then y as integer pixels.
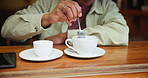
{"type": "Point", "coordinates": [35, 21]}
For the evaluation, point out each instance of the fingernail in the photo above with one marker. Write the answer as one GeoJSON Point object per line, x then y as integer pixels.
{"type": "Point", "coordinates": [70, 24]}
{"type": "Point", "coordinates": [80, 14]}
{"type": "Point", "coordinates": [75, 19]}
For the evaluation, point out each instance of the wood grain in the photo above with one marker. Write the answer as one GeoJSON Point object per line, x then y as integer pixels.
{"type": "Point", "coordinates": [118, 62]}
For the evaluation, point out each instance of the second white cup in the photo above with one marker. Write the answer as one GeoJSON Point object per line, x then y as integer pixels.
{"type": "Point", "coordinates": [43, 48]}
{"type": "Point", "coordinates": [83, 46]}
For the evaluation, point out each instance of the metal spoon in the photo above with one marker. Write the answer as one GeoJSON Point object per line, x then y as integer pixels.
{"type": "Point", "coordinates": [80, 33]}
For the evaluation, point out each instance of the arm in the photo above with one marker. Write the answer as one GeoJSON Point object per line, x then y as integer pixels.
{"type": "Point", "coordinates": [32, 21]}
{"type": "Point", "coordinates": [113, 30]}
{"type": "Point", "coordinates": [110, 27]}
{"type": "Point", "coordinates": [25, 23]}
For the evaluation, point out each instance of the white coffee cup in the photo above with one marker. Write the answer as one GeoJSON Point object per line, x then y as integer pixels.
{"type": "Point", "coordinates": [43, 48]}
{"type": "Point", "coordinates": [83, 46]}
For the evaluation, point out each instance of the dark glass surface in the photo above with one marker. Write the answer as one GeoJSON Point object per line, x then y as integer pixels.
{"type": "Point", "coordinates": [8, 60]}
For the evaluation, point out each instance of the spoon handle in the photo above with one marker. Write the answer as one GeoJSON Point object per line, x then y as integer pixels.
{"type": "Point", "coordinates": [79, 23]}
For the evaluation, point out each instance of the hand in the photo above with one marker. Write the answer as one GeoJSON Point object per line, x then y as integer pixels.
{"type": "Point", "coordinates": [66, 10]}
{"type": "Point", "coordinates": [58, 39]}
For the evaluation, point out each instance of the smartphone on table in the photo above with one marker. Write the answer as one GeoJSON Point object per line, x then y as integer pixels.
{"type": "Point", "coordinates": [7, 60]}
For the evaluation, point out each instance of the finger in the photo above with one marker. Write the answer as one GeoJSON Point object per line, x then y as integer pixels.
{"type": "Point", "coordinates": [78, 9]}
{"type": "Point", "coordinates": [69, 23]}
{"type": "Point", "coordinates": [60, 13]}
{"type": "Point", "coordinates": [68, 13]}
{"type": "Point", "coordinates": [64, 18]}
{"type": "Point", "coordinates": [71, 4]}
{"type": "Point", "coordinates": [66, 10]}
{"type": "Point", "coordinates": [73, 9]}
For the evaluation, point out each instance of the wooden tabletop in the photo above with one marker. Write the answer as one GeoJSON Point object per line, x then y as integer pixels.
{"type": "Point", "coordinates": [119, 62]}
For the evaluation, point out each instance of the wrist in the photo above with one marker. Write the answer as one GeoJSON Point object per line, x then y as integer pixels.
{"type": "Point", "coordinates": [46, 21]}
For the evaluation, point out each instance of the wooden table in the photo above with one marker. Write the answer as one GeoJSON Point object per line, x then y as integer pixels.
{"type": "Point", "coordinates": [118, 62]}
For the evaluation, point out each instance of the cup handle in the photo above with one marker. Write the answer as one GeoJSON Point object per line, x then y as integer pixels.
{"type": "Point", "coordinates": [66, 42]}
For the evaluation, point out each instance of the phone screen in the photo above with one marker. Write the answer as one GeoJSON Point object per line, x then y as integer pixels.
{"type": "Point", "coordinates": [7, 60]}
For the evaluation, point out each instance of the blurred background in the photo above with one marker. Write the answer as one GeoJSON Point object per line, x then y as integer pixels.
{"type": "Point", "coordinates": [134, 11]}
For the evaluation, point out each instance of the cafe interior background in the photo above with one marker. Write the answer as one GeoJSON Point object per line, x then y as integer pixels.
{"type": "Point", "coordinates": [134, 11]}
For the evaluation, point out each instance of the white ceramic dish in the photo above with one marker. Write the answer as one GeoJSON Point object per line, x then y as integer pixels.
{"type": "Point", "coordinates": [31, 56]}
{"type": "Point", "coordinates": [97, 53]}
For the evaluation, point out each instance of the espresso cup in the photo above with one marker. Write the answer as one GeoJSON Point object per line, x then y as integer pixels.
{"type": "Point", "coordinates": [43, 48]}
{"type": "Point", "coordinates": [83, 46]}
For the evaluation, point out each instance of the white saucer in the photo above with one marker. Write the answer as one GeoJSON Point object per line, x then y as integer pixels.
{"type": "Point", "coordinates": [97, 53]}
{"type": "Point", "coordinates": [31, 56]}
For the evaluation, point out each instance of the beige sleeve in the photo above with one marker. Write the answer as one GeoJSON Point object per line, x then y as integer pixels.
{"type": "Point", "coordinates": [113, 29]}
{"type": "Point", "coordinates": [25, 23]}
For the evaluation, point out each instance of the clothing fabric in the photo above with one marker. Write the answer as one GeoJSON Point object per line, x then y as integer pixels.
{"type": "Point", "coordinates": [103, 21]}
